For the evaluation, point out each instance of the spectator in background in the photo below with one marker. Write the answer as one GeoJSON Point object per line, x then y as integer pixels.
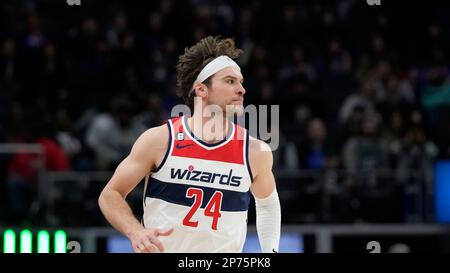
{"type": "Point", "coordinates": [53, 74]}
{"type": "Point", "coordinates": [296, 66]}
{"type": "Point", "coordinates": [117, 30]}
{"type": "Point", "coordinates": [316, 152]}
{"type": "Point", "coordinates": [65, 137]}
{"type": "Point", "coordinates": [32, 59]}
{"type": "Point", "coordinates": [23, 169]}
{"type": "Point", "coordinates": [377, 52]}
{"type": "Point", "coordinates": [365, 99]}
{"type": "Point", "coordinates": [394, 91]}
{"type": "Point", "coordinates": [413, 159]}
{"type": "Point", "coordinates": [413, 152]}
{"type": "Point", "coordinates": [366, 188]}
{"type": "Point", "coordinates": [395, 128]}
{"type": "Point", "coordinates": [112, 134]}
{"type": "Point", "coordinates": [435, 98]}
{"type": "Point", "coordinates": [296, 108]}
{"type": "Point", "coordinates": [8, 72]}
{"type": "Point", "coordinates": [154, 114]}
{"type": "Point", "coordinates": [335, 68]}
{"type": "Point", "coordinates": [286, 156]}
{"type": "Point", "coordinates": [394, 94]}
{"type": "Point", "coordinates": [353, 126]}
{"type": "Point", "coordinates": [366, 152]}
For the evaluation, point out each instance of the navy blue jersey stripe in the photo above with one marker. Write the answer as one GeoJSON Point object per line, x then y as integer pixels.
{"type": "Point", "coordinates": [176, 194]}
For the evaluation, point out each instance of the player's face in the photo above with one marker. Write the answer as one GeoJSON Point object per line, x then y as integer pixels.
{"type": "Point", "coordinates": [226, 89]}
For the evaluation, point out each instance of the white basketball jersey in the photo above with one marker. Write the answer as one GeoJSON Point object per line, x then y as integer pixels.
{"type": "Point", "coordinates": [201, 190]}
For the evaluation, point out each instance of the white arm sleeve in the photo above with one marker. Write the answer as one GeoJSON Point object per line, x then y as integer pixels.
{"type": "Point", "coordinates": [268, 222]}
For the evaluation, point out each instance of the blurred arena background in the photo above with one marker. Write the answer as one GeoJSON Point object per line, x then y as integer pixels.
{"type": "Point", "coordinates": [363, 90]}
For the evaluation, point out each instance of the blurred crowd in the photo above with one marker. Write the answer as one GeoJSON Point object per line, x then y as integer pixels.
{"type": "Point", "coordinates": [360, 89]}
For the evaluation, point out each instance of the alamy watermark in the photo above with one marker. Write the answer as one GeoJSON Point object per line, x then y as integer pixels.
{"type": "Point", "coordinates": [397, 247]}
{"type": "Point", "coordinates": [73, 247]}
{"type": "Point", "coordinates": [262, 122]}
{"type": "Point", "coordinates": [373, 247]}
{"type": "Point", "coordinates": [374, 2]}
{"type": "Point", "coordinates": [73, 2]}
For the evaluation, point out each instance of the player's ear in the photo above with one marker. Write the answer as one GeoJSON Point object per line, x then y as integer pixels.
{"type": "Point", "coordinates": [201, 90]}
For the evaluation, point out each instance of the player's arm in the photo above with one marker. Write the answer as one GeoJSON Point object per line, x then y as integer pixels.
{"type": "Point", "coordinates": [143, 157]}
{"type": "Point", "coordinates": [267, 203]}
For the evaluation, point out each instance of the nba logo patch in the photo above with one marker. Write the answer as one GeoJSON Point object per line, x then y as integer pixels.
{"type": "Point", "coordinates": [180, 136]}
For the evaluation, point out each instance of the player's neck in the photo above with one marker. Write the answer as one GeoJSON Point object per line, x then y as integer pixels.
{"type": "Point", "coordinates": [209, 129]}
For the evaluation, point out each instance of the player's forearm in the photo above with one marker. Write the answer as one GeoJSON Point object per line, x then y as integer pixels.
{"type": "Point", "coordinates": [118, 212]}
{"type": "Point", "coordinates": [268, 222]}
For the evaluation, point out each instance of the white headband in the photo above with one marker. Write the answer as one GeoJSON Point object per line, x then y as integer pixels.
{"type": "Point", "coordinates": [213, 67]}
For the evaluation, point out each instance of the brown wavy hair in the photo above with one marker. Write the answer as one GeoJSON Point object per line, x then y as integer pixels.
{"type": "Point", "coordinates": [196, 58]}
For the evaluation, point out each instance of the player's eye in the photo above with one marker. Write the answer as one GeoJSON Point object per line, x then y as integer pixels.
{"type": "Point", "coordinates": [230, 81]}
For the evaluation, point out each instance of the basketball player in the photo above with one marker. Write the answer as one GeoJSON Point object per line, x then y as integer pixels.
{"type": "Point", "coordinates": [198, 183]}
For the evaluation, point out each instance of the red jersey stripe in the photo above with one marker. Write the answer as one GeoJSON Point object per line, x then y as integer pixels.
{"type": "Point", "coordinates": [184, 146]}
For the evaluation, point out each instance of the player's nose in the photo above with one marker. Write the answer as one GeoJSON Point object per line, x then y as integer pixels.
{"type": "Point", "coordinates": [241, 89]}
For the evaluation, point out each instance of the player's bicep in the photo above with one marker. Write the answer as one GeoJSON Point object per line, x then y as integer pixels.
{"type": "Point", "coordinates": [263, 184]}
{"type": "Point", "coordinates": [127, 175]}
{"type": "Point", "coordinates": [135, 166]}
{"type": "Point", "coordinates": [261, 161]}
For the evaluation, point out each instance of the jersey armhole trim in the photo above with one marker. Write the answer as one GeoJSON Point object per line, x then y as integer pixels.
{"type": "Point", "coordinates": [145, 190]}
{"type": "Point", "coordinates": [247, 162]}
{"type": "Point", "coordinates": [169, 147]}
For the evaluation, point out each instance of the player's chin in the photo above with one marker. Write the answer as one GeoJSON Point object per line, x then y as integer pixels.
{"type": "Point", "coordinates": [235, 109]}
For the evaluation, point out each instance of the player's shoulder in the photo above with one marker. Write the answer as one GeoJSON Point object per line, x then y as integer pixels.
{"type": "Point", "coordinates": [258, 146]}
{"type": "Point", "coordinates": [259, 155]}
{"type": "Point", "coordinates": [151, 146]}
{"type": "Point", "coordinates": [157, 131]}
{"type": "Point", "coordinates": [155, 136]}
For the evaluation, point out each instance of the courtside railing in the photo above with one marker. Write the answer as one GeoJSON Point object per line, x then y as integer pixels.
{"type": "Point", "coordinates": [293, 186]}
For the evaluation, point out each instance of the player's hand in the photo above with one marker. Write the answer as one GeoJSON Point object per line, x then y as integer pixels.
{"type": "Point", "coordinates": [146, 240]}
